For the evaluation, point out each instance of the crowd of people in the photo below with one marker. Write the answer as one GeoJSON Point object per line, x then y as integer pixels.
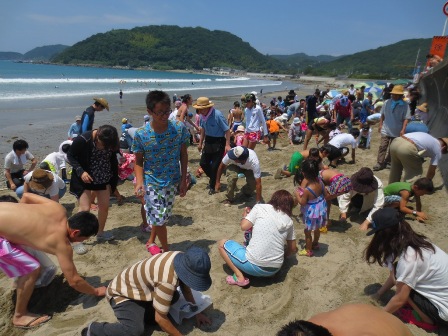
{"type": "Point", "coordinates": [155, 157]}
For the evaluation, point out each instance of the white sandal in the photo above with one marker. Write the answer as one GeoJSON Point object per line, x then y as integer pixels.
{"type": "Point", "coordinates": [79, 248]}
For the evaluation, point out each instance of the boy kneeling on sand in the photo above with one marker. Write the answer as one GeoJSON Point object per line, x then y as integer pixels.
{"type": "Point", "coordinates": [397, 194]}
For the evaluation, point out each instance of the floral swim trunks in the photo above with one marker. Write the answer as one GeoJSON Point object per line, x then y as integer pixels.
{"type": "Point", "coordinates": [253, 136]}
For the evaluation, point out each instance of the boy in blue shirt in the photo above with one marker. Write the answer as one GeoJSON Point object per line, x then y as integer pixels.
{"type": "Point", "coordinates": [158, 147]}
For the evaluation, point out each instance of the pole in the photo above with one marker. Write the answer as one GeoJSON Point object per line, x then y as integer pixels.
{"type": "Point", "coordinates": [444, 27]}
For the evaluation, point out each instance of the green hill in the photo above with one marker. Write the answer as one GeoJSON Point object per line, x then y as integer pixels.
{"type": "Point", "coordinates": [169, 47]}
{"type": "Point", "coordinates": [395, 60]}
{"type": "Point", "coordinates": [10, 56]}
{"type": "Point", "coordinates": [44, 53]}
{"type": "Point", "coordinates": [301, 61]}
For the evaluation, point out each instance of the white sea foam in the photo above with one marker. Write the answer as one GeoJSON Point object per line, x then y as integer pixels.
{"type": "Point", "coordinates": [97, 80]}
{"type": "Point", "coordinates": [57, 93]}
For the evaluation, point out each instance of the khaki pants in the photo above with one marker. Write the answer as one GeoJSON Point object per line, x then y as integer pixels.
{"type": "Point", "coordinates": [384, 151]}
{"type": "Point", "coordinates": [405, 157]}
{"type": "Point", "coordinates": [232, 179]}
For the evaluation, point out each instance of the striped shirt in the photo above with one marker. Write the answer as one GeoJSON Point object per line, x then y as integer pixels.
{"type": "Point", "coordinates": [151, 279]}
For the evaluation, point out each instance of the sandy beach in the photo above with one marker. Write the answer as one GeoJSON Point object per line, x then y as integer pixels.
{"type": "Point", "coordinates": [337, 274]}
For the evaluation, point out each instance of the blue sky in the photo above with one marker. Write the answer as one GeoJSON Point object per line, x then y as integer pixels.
{"type": "Point", "coordinates": [271, 27]}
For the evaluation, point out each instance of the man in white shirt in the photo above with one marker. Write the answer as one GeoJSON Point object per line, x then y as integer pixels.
{"type": "Point", "coordinates": [337, 147]}
{"type": "Point", "coordinates": [407, 154]}
{"type": "Point", "coordinates": [240, 162]}
{"type": "Point", "coordinates": [15, 162]}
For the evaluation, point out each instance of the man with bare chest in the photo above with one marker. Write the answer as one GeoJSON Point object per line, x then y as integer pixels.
{"type": "Point", "coordinates": [41, 224]}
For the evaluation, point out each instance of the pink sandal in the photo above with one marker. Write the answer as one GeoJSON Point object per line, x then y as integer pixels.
{"type": "Point", "coordinates": [233, 280]}
{"type": "Point", "coordinates": [153, 249]}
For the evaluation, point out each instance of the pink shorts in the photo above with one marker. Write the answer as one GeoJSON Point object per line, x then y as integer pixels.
{"type": "Point", "coordinates": [15, 261]}
{"type": "Point", "coordinates": [253, 136]}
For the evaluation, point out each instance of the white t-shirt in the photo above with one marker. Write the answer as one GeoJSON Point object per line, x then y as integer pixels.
{"type": "Point", "coordinates": [428, 277]}
{"type": "Point", "coordinates": [343, 140]}
{"type": "Point", "coordinates": [15, 163]}
{"type": "Point", "coordinates": [271, 230]}
{"type": "Point", "coordinates": [52, 190]}
{"type": "Point", "coordinates": [173, 115]}
{"type": "Point", "coordinates": [255, 119]}
{"type": "Point", "coordinates": [57, 160]}
{"type": "Point", "coordinates": [252, 163]}
{"type": "Point", "coordinates": [427, 142]}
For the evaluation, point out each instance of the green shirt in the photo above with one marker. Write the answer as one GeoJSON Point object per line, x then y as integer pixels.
{"type": "Point", "coordinates": [396, 187]}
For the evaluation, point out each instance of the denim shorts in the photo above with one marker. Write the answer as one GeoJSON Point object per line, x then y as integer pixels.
{"type": "Point", "coordinates": [237, 254]}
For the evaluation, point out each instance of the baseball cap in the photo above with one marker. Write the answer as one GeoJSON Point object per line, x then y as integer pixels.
{"type": "Point", "coordinates": [238, 153]}
{"type": "Point", "coordinates": [384, 218]}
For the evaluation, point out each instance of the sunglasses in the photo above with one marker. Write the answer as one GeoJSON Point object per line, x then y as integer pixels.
{"type": "Point", "coordinates": [161, 113]}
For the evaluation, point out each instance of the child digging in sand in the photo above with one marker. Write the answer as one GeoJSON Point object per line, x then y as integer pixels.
{"type": "Point", "coordinates": [336, 184]}
{"type": "Point", "coordinates": [311, 194]}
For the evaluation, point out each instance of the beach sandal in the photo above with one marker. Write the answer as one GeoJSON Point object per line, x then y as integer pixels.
{"type": "Point", "coordinates": [93, 207]}
{"type": "Point", "coordinates": [233, 280]}
{"type": "Point", "coordinates": [153, 249]}
{"type": "Point", "coordinates": [34, 323]}
{"type": "Point", "coordinates": [79, 248]}
{"type": "Point", "coordinates": [315, 246]}
{"type": "Point", "coordinates": [408, 315]}
{"type": "Point", "coordinates": [305, 253]}
{"type": "Point", "coordinates": [323, 229]}
{"type": "Point", "coordinates": [145, 228]}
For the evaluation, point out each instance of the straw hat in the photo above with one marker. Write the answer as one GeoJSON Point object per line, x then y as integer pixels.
{"type": "Point", "coordinates": [203, 103]}
{"type": "Point", "coordinates": [103, 102]}
{"type": "Point", "coordinates": [124, 120]}
{"type": "Point", "coordinates": [41, 179]}
{"type": "Point", "coordinates": [423, 107]}
{"type": "Point", "coordinates": [398, 90]}
{"type": "Point", "coordinates": [363, 181]}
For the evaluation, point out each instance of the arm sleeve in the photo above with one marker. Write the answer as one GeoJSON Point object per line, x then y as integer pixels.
{"type": "Point", "coordinates": [76, 149]}
{"type": "Point", "coordinates": [344, 201]}
{"type": "Point", "coordinates": [85, 124]}
{"type": "Point", "coordinates": [261, 116]}
{"type": "Point", "coordinates": [379, 202]}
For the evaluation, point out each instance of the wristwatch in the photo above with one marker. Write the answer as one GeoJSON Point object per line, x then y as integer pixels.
{"type": "Point", "coordinates": [414, 213]}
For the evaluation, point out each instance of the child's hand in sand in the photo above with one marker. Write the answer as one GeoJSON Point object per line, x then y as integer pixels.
{"type": "Point", "coordinates": [421, 216]}
{"type": "Point", "coordinates": [365, 225]}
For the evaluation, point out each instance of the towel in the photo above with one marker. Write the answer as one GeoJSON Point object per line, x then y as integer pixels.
{"type": "Point", "coordinates": [183, 309]}
{"type": "Point", "coordinates": [20, 159]}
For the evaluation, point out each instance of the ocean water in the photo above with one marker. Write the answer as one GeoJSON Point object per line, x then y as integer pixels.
{"type": "Point", "coordinates": [27, 81]}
